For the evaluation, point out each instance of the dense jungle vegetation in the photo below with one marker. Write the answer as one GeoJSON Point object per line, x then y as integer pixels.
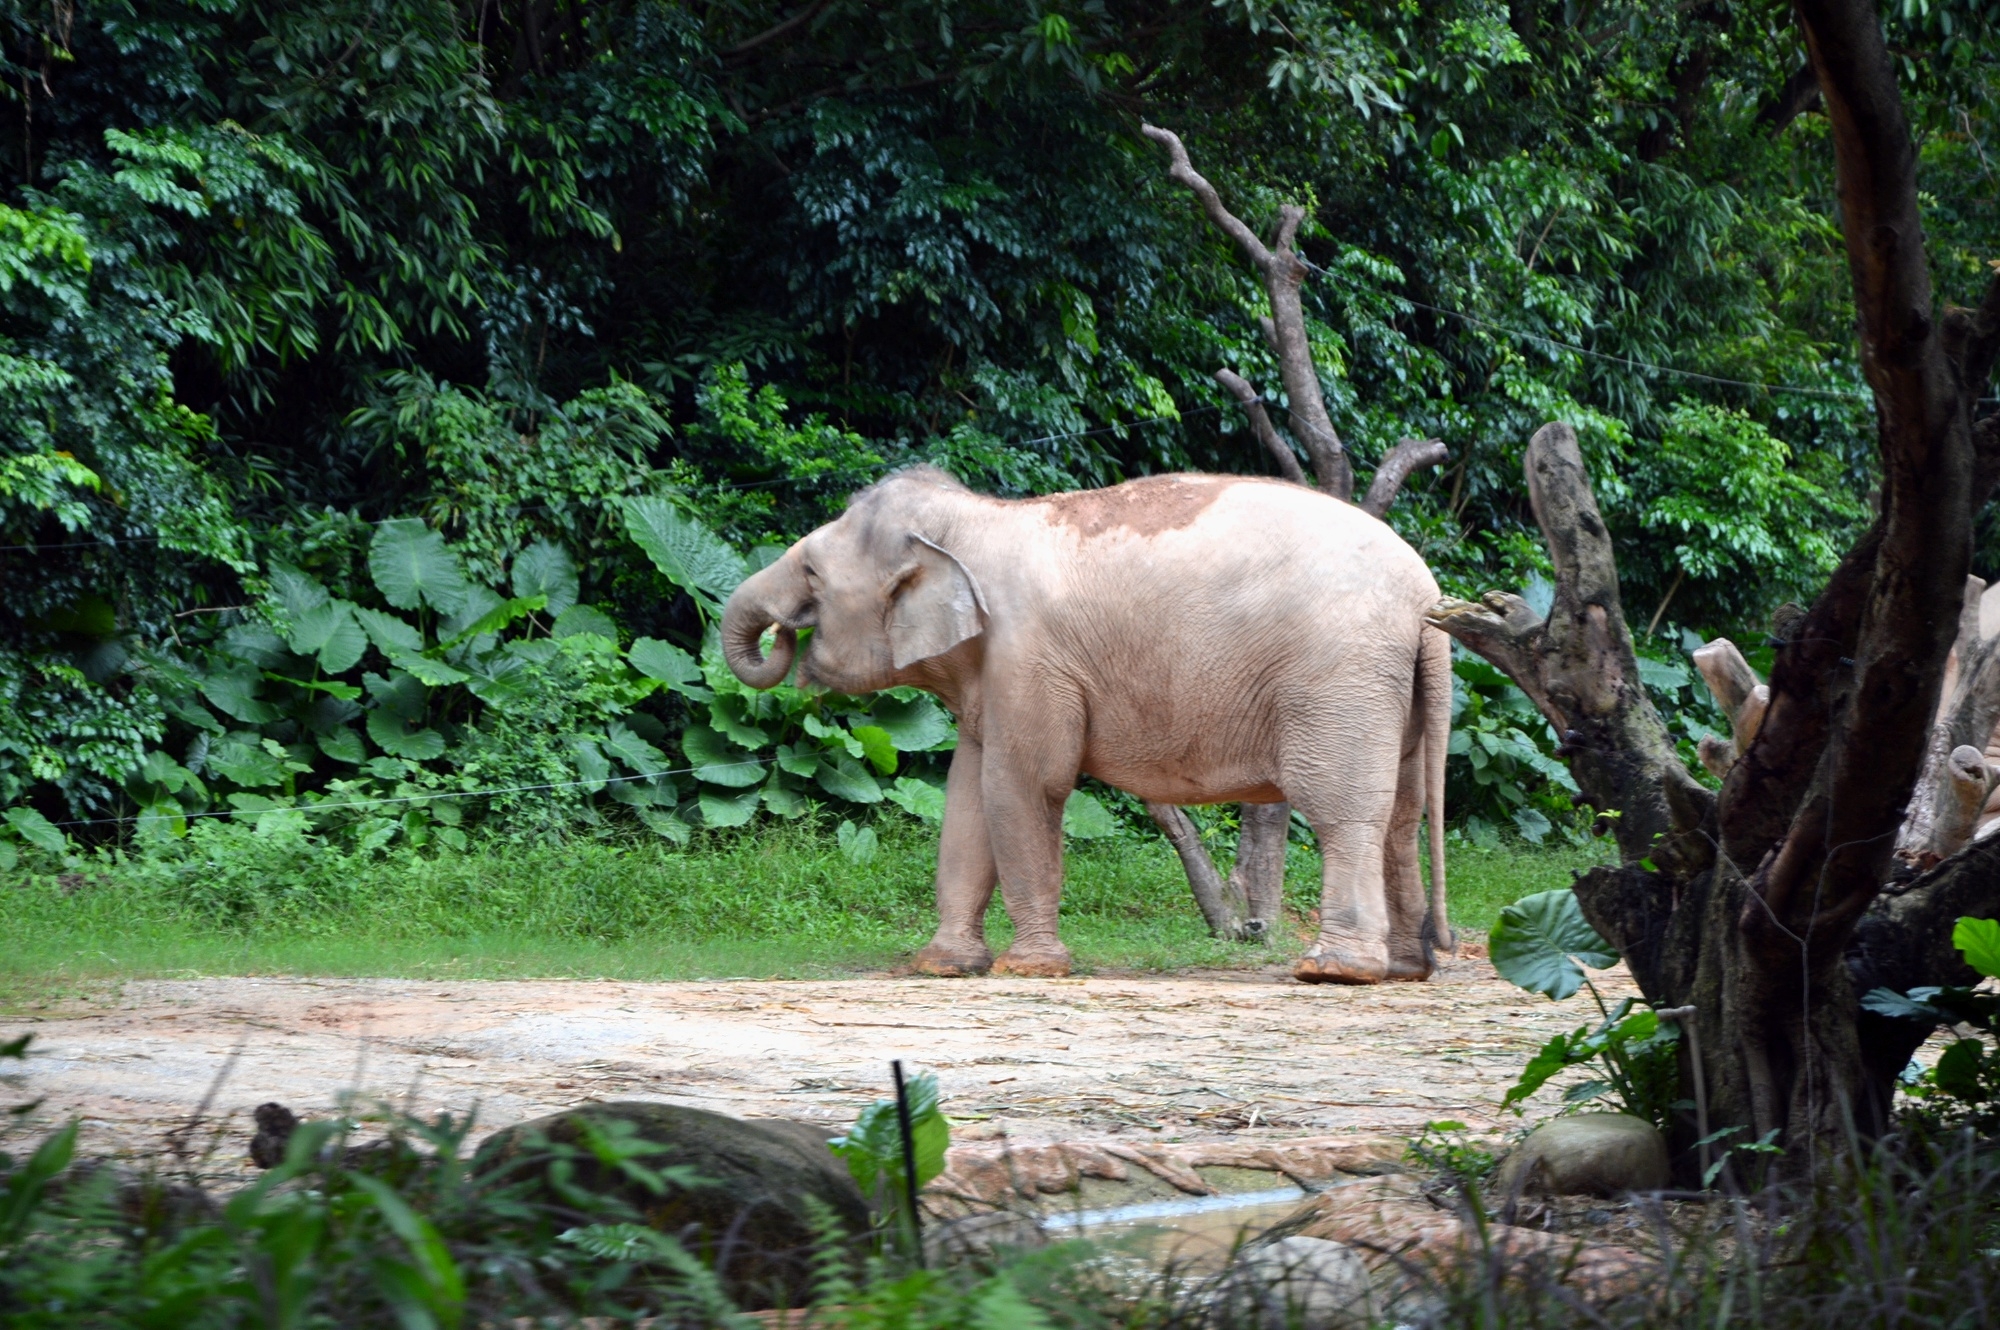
{"type": "Point", "coordinates": [394, 388]}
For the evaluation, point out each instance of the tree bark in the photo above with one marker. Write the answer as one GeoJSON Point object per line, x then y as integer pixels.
{"type": "Point", "coordinates": [1224, 905]}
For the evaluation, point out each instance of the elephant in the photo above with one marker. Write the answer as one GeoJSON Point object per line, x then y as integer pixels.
{"type": "Point", "coordinates": [1190, 639]}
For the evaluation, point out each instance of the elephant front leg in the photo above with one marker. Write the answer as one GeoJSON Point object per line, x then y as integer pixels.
{"type": "Point", "coordinates": [965, 875]}
{"type": "Point", "coordinates": [1024, 822]}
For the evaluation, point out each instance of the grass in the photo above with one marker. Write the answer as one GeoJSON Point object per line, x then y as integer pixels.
{"type": "Point", "coordinates": [783, 902]}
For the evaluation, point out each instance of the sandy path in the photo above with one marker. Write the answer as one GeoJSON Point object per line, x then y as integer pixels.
{"type": "Point", "coordinates": [1189, 1057]}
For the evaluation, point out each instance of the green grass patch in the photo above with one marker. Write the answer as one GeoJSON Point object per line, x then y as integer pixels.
{"type": "Point", "coordinates": [783, 902]}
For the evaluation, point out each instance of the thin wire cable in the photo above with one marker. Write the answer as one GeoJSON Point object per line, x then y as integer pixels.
{"type": "Point", "coordinates": [433, 797]}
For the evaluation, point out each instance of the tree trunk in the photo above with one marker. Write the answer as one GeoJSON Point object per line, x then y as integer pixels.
{"type": "Point", "coordinates": [1257, 882]}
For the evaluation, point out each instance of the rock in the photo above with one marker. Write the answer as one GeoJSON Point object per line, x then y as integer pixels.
{"type": "Point", "coordinates": [748, 1215]}
{"type": "Point", "coordinates": [275, 1125]}
{"type": "Point", "coordinates": [1590, 1154]}
{"type": "Point", "coordinates": [1298, 1283]}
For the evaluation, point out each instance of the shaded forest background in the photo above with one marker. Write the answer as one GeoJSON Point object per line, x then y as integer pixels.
{"type": "Point", "coordinates": [390, 391]}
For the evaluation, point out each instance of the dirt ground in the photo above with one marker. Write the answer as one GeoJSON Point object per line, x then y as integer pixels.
{"type": "Point", "coordinates": [1202, 1056]}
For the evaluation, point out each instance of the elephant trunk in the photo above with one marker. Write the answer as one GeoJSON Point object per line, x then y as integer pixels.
{"type": "Point", "coordinates": [763, 600]}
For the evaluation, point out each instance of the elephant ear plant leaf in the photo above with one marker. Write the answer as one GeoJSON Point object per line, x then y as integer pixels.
{"type": "Point", "coordinates": [1542, 943]}
{"type": "Point", "coordinates": [687, 553]}
{"type": "Point", "coordinates": [1540, 940]}
{"type": "Point", "coordinates": [873, 1147]}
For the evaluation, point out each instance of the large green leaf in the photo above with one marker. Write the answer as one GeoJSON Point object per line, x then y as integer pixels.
{"type": "Point", "coordinates": [718, 761]}
{"type": "Point", "coordinates": [918, 799]}
{"type": "Point", "coordinates": [844, 778]}
{"type": "Point", "coordinates": [234, 693]}
{"type": "Point", "coordinates": [915, 726]}
{"type": "Point", "coordinates": [667, 663]}
{"type": "Point", "coordinates": [634, 752]}
{"type": "Point", "coordinates": [35, 829]}
{"type": "Point", "coordinates": [1978, 940]}
{"type": "Point", "coordinates": [502, 680]}
{"type": "Point", "coordinates": [491, 618]}
{"type": "Point", "coordinates": [1086, 818]}
{"type": "Point", "coordinates": [877, 747]}
{"type": "Point", "coordinates": [389, 634]}
{"type": "Point", "coordinates": [243, 759]}
{"type": "Point", "coordinates": [1540, 940]}
{"type": "Point", "coordinates": [687, 553]}
{"type": "Point", "coordinates": [412, 566]}
{"type": "Point", "coordinates": [666, 823]}
{"type": "Point", "coordinates": [579, 620]}
{"type": "Point", "coordinates": [297, 593]}
{"type": "Point", "coordinates": [343, 745]}
{"type": "Point", "coordinates": [395, 736]}
{"type": "Point", "coordinates": [329, 632]}
{"type": "Point", "coordinates": [730, 714]}
{"type": "Point", "coordinates": [428, 670]}
{"type": "Point", "coordinates": [545, 569]}
{"type": "Point", "coordinates": [401, 693]}
{"type": "Point", "coordinates": [873, 1147]}
{"type": "Point", "coordinates": [728, 810]}
{"type": "Point", "coordinates": [593, 768]}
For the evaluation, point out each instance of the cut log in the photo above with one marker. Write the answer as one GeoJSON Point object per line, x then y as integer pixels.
{"type": "Point", "coordinates": [1952, 789]}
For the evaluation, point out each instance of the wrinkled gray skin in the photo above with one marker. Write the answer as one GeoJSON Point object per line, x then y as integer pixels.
{"type": "Point", "coordinates": [1190, 639]}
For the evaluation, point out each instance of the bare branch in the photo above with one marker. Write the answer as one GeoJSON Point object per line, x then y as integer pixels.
{"type": "Point", "coordinates": [1578, 666]}
{"type": "Point", "coordinates": [1799, 94]}
{"type": "Point", "coordinates": [776, 31]}
{"type": "Point", "coordinates": [1408, 455]}
{"type": "Point", "coordinates": [1181, 170]}
{"type": "Point", "coordinates": [1222, 908]}
{"type": "Point", "coordinates": [1283, 273]}
{"type": "Point", "coordinates": [1260, 424]}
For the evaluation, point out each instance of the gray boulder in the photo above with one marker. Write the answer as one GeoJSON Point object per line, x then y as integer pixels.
{"type": "Point", "coordinates": [1298, 1283]}
{"type": "Point", "coordinates": [1590, 1154]}
{"type": "Point", "coordinates": [746, 1208]}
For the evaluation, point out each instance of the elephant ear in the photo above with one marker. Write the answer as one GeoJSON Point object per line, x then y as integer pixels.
{"type": "Point", "coordinates": [937, 605]}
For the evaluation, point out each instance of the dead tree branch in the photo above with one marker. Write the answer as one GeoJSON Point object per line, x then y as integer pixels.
{"type": "Point", "coordinates": [1260, 424]}
{"type": "Point", "coordinates": [1284, 273]}
{"type": "Point", "coordinates": [1951, 790]}
{"type": "Point", "coordinates": [1408, 455]}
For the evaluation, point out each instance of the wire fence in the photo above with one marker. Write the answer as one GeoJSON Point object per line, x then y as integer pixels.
{"type": "Point", "coordinates": [430, 797]}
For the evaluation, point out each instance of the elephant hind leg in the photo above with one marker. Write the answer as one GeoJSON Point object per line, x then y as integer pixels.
{"type": "Point", "coordinates": [1411, 953]}
{"type": "Point", "coordinates": [1350, 802]}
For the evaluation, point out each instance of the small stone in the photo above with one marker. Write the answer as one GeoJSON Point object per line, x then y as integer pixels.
{"type": "Point", "coordinates": [1298, 1283]}
{"type": "Point", "coordinates": [1590, 1154]}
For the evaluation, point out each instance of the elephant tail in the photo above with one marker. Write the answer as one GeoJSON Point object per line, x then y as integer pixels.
{"type": "Point", "coordinates": [1434, 701]}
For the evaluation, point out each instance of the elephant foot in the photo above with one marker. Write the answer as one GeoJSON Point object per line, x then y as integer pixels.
{"type": "Point", "coordinates": [952, 962]}
{"type": "Point", "coordinates": [1326, 964]}
{"type": "Point", "coordinates": [1042, 963]}
{"type": "Point", "coordinates": [1408, 971]}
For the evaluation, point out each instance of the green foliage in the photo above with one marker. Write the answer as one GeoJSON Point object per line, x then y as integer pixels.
{"type": "Point", "coordinates": [1443, 1147]}
{"type": "Point", "coordinates": [1634, 1053]}
{"type": "Point", "coordinates": [1965, 1083]}
{"type": "Point", "coordinates": [1541, 943]}
{"type": "Point", "coordinates": [1504, 771]}
{"type": "Point", "coordinates": [873, 1149]}
{"type": "Point", "coordinates": [612, 306]}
